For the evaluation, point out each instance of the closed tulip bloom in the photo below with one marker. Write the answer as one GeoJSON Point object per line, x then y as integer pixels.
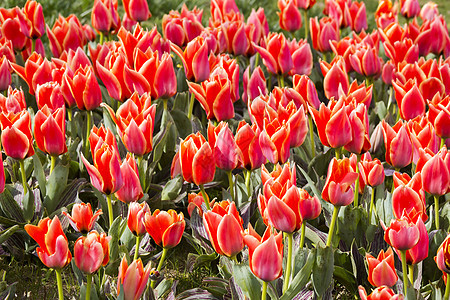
{"type": "Point", "coordinates": [136, 215]}
{"type": "Point", "coordinates": [235, 36]}
{"type": "Point", "coordinates": [214, 95]}
{"type": "Point", "coordinates": [335, 79]}
{"type": "Point", "coordinates": [224, 227]}
{"type": "Point", "coordinates": [420, 251]}
{"type": "Point", "coordinates": [137, 10]}
{"type": "Point", "coordinates": [276, 54]}
{"type": "Point", "coordinates": [404, 50]}
{"type": "Point", "coordinates": [195, 59]}
{"type": "Point", "coordinates": [290, 16]}
{"type": "Point", "coordinates": [307, 89]}
{"type": "Point", "coordinates": [355, 16]}
{"type": "Point", "coordinates": [310, 207]}
{"type": "Point", "coordinates": [165, 228]}
{"type": "Point", "coordinates": [14, 102]}
{"type": "Point", "coordinates": [275, 141]}
{"type": "Point", "coordinates": [101, 135]}
{"type": "Point", "coordinates": [380, 293]}
{"type": "Point", "coordinates": [49, 94]}
{"type": "Point", "coordinates": [266, 253]}
{"type": "Point", "coordinates": [13, 28]}
{"type": "Point", "coordinates": [324, 32]}
{"type": "Point", "coordinates": [426, 39]}
{"type": "Point", "coordinates": [410, 8]}
{"type": "Point", "coordinates": [85, 88]}
{"type": "Point", "coordinates": [66, 33]}
{"type": "Point", "coordinates": [429, 11]}
{"type": "Point", "coordinates": [225, 66]}
{"type": "Point", "coordinates": [423, 135]}
{"type": "Point", "coordinates": [436, 174]}
{"type": "Point", "coordinates": [16, 136]}
{"type": "Point", "coordinates": [439, 115]}
{"type": "Point", "coordinates": [254, 84]}
{"type": "Point", "coordinates": [83, 219]}
{"type": "Point", "coordinates": [302, 58]}
{"type": "Point", "coordinates": [195, 202]}
{"type": "Point", "coordinates": [398, 144]}
{"type": "Point", "coordinates": [402, 233]}
{"type": "Point", "coordinates": [381, 269]}
{"type": "Point", "coordinates": [91, 251]}
{"type": "Point", "coordinates": [365, 61]}
{"type": "Point", "coordinates": [339, 185]}
{"type": "Point", "coordinates": [5, 73]}
{"type": "Point", "coordinates": [53, 248]}
{"type": "Point", "coordinates": [33, 12]}
{"type": "Point", "coordinates": [224, 147]}
{"type": "Point", "coordinates": [408, 195]}
{"type": "Point", "coordinates": [409, 99]}
{"type": "Point", "coordinates": [247, 139]}
{"type": "Point", "coordinates": [442, 257]}
{"type": "Point", "coordinates": [104, 16]}
{"type": "Point", "coordinates": [37, 70]}
{"type": "Point", "coordinates": [283, 211]}
{"type": "Point", "coordinates": [50, 130]}
{"type": "Point", "coordinates": [359, 122]}
{"type": "Point", "coordinates": [131, 191]}
{"type": "Point", "coordinates": [181, 28]}
{"type": "Point", "coordinates": [372, 171]}
{"type": "Point", "coordinates": [132, 278]}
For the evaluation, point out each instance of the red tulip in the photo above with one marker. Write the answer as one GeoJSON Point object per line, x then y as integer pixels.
{"type": "Point", "coordinates": [359, 122]}
{"type": "Point", "coordinates": [17, 139]}
{"type": "Point", "coordinates": [132, 278]}
{"type": "Point", "coordinates": [247, 139]}
{"type": "Point", "coordinates": [306, 88]}
{"type": "Point", "coordinates": [91, 251]}
{"type": "Point", "coordinates": [15, 27]}
{"type": "Point", "coordinates": [402, 234]}
{"type": "Point", "coordinates": [275, 139]}
{"type": "Point", "coordinates": [224, 66]}
{"type": "Point", "coordinates": [131, 191]}
{"type": "Point", "coordinates": [214, 95]}
{"type": "Point", "coordinates": [371, 171]}
{"type": "Point", "coordinates": [429, 11]}
{"type": "Point", "coordinates": [235, 36]}
{"type": "Point", "coordinates": [365, 61]}
{"type": "Point", "coordinates": [290, 16]}
{"type": "Point", "coordinates": [33, 12]}
{"type": "Point", "coordinates": [256, 29]}
{"type": "Point", "coordinates": [112, 74]}
{"type": "Point", "coordinates": [220, 8]}
{"type": "Point", "coordinates": [181, 28]}
{"type": "Point", "coordinates": [420, 251]}
{"type": "Point", "coordinates": [195, 202]}
{"type": "Point", "coordinates": [137, 10]}
{"type": "Point", "coordinates": [254, 84]}
{"type": "Point", "coordinates": [409, 99]}
{"type": "Point", "coordinates": [104, 16]}
{"type": "Point", "coordinates": [386, 14]}
{"type": "Point", "coordinates": [83, 219]}
{"type": "Point", "coordinates": [14, 103]}
{"type": "Point", "coordinates": [443, 256]}
{"type": "Point", "coordinates": [355, 16]}
{"type": "Point", "coordinates": [195, 59]}
{"type": "Point", "coordinates": [409, 8]}
{"type": "Point", "coordinates": [224, 147]}
{"type": "Point", "coordinates": [436, 173]}
{"type": "Point", "coordinates": [404, 50]}
{"type": "Point", "coordinates": [408, 195]}
{"type": "Point", "coordinates": [397, 140]}
{"type": "Point", "coordinates": [266, 253]}
{"type": "Point", "coordinates": [49, 94]}
{"type": "Point", "coordinates": [50, 130]}
{"type": "Point", "coordinates": [335, 10]}
{"type": "Point", "coordinates": [127, 23]}
{"type": "Point", "coordinates": [36, 71]}
{"type": "Point", "coordinates": [439, 115]}
{"type": "Point", "coordinates": [6, 49]}
{"type": "Point", "coordinates": [101, 135]}
{"type": "Point", "coordinates": [380, 293]}
{"type": "Point", "coordinates": [310, 207]}
{"type": "Point", "coordinates": [224, 227]}
{"type": "Point", "coordinates": [166, 228]}
{"type": "Point", "coordinates": [302, 58]}
{"type": "Point", "coordinates": [427, 41]}
{"type": "Point", "coordinates": [305, 4]}
{"type": "Point", "coordinates": [358, 94]}
{"type": "Point", "coordinates": [135, 120]}
{"type": "Point", "coordinates": [5, 74]}
{"type": "Point", "coordinates": [339, 185]}
{"type": "Point", "coordinates": [280, 174]}
{"type": "Point", "coordinates": [423, 135]}
{"type": "Point", "coordinates": [53, 248]}
{"type": "Point", "coordinates": [276, 54]}
{"type": "Point", "coordinates": [382, 269]}
{"type": "Point", "coordinates": [136, 215]}
{"type": "Point", "coordinates": [85, 88]}
{"type": "Point", "coordinates": [335, 80]}
{"type": "Point", "coordinates": [324, 32]}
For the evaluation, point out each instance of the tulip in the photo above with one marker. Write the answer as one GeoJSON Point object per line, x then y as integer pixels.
{"type": "Point", "coordinates": [14, 27]}
{"type": "Point", "coordinates": [443, 256]}
{"type": "Point", "coordinates": [37, 70]}
{"type": "Point", "coordinates": [402, 234]}
{"type": "Point", "coordinates": [224, 66]}
{"type": "Point", "coordinates": [427, 41]}
{"type": "Point", "coordinates": [307, 90]}
{"type": "Point", "coordinates": [409, 99]}
{"type": "Point", "coordinates": [355, 16]}
{"type": "Point", "coordinates": [214, 96]}
{"type": "Point", "coordinates": [338, 189]}
{"type": "Point", "coordinates": [6, 49]}
{"type": "Point", "coordinates": [408, 195]}
{"type": "Point", "coordinates": [112, 74]}
{"type": "Point", "coordinates": [104, 16]}
{"type": "Point", "coordinates": [131, 191]}
{"type": "Point", "coordinates": [398, 144]}
{"type": "Point", "coordinates": [67, 33]}
{"type": "Point", "coordinates": [359, 93]}
{"type": "Point", "coordinates": [365, 61]}
{"type": "Point", "coordinates": [380, 293]}
{"type": "Point", "coordinates": [16, 136]}
{"type": "Point", "coordinates": [276, 54]}
{"type": "Point", "coordinates": [382, 269]}
{"type": "Point", "coordinates": [235, 35]}
{"type": "Point", "coordinates": [34, 14]}
{"type": "Point", "coordinates": [410, 8]}
{"type": "Point", "coordinates": [224, 227]}
{"type": "Point", "coordinates": [5, 74]}
{"type": "Point", "coordinates": [85, 89]}
{"type": "Point", "coordinates": [436, 173]}
{"type": "Point", "coordinates": [335, 78]}
{"type": "Point", "coordinates": [135, 120]}
{"type": "Point", "coordinates": [166, 228]}
{"type": "Point", "coordinates": [83, 219]}
{"type": "Point", "coordinates": [324, 32]}
{"type": "Point", "coordinates": [290, 16]}
{"type": "Point", "coordinates": [423, 135]}
{"type": "Point", "coordinates": [224, 146]}
{"type": "Point", "coordinates": [49, 94]}
{"type": "Point", "coordinates": [127, 23]}
{"type": "Point", "coordinates": [404, 50]}
{"type": "Point", "coordinates": [91, 251]}
{"type": "Point", "coordinates": [420, 251]}
{"type": "Point", "coordinates": [429, 11]}
{"type": "Point", "coordinates": [136, 214]}
{"type": "Point", "coordinates": [14, 103]}
{"type": "Point", "coordinates": [275, 140]}
{"type": "Point", "coordinates": [137, 10]}
{"type": "Point", "coordinates": [181, 28]}
{"type": "Point", "coordinates": [195, 202]}
{"type": "Point", "coordinates": [247, 140]}
{"type": "Point", "coordinates": [132, 279]}
{"type": "Point", "coordinates": [254, 84]}
{"type": "Point", "coordinates": [53, 248]}
{"type": "Point", "coordinates": [49, 131]}
{"type": "Point", "coordinates": [359, 122]}
{"type": "Point", "coordinates": [256, 28]}
{"type": "Point", "coordinates": [195, 59]}
{"type": "Point", "coordinates": [439, 116]}
{"type": "Point", "coordinates": [372, 171]}
{"type": "Point", "coordinates": [302, 58]}
{"type": "Point", "coordinates": [265, 253]}
{"type": "Point", "coordinates": [220, 8]}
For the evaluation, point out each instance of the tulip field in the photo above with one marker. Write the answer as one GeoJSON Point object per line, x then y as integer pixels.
{"type": "Point", "coordinates": [224, 149]}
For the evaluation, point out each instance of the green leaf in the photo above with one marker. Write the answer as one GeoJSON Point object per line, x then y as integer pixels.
{"type": "Point", "coordinates": [10, 206]}
{"type": "Point", "coordinates": [312, 184]}
{"type": "Point", "coordinates": [39, 174]}
{"type": "Point", "coordinates": [28, 205]}
{"type": "Point", "coordinates": [115, 232]}
{"type": "Point", "coordinates": [249, 284]}
{"type": "Point", "coordinates": [93, 291]}
{"type": "Point", "coordinates": [172, 189]}
{"type": "Point", "coordinates": [301, 278]}
{"type": "Point", "coordinates": [183, 124]}
{"type": "Point", "coordinates": [5, 234]}
{"type": "Point", "coordinates": [346, 278]}
{"type": "Point", "coordinates": [56, 184]}
{"type": "Point", "coordinates": [322, 273]}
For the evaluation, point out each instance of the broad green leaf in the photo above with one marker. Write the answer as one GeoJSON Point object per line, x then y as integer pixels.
{"type": "Point", "coordinates": [322, 273]}
{"type": "Point", "coordinates": [312, 184]}
{"type": "Point", "coordinates": [5, 234]}
{"type": "Point", "coordinates": [301, 278]}
{"type": "Point", "coordinates": [28, 205]}
{"type": "Point", "coordinates": [183, 124]}
{"type": "Point", "coordinates": [172, 189]}
{"type": "Point", "coordinates": [250, 286]}
{"type": "Point", "coordinates": [56, 184]}
{"type": "Point", "coordinates": [39, 174]}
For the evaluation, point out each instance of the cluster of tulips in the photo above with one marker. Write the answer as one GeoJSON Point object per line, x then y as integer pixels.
{"type": "Point", "coordinates": [131, 74]}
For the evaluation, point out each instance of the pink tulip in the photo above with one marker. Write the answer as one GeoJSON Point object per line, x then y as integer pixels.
{"type": "Point", "coordinates": [397, 140]}
{"type": "Point", "coordinates": [82, 219]}
{"type": "Point", "coordinates": [402, 234]}
{"type": "Point", "coordinates": [254, 84]}
{"type": "Point", "coordinates": [339, 185]}
{"type": "Point", "coordinates": [290, 16]}
{"type": "Point", "coordinates": [276, 54]}
{"type": "Point", "coordinates": [224, 147]}
{"type": "Point", "coordinates": [335, 79]}
{"type": "Point", "coordinates": [131, 190]}
{"type": "Point", "coordinates": [91, 251]}
{"type": "Point", "coordinates": [302, 58]}
{"type": "Point", "coordinates": [382, 269]}
{"type": "Point", "coordinates": [133, 278]}
{"type": "Point", "coordinates": [247, 139]}
{"type": "Point", "coordinates": [136, 217]}
{"type": "Point", "coordinates": [323, 33]}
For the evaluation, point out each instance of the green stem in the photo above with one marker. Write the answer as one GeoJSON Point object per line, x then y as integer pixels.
{"type": "Point", "coordinates": [165, 104]}
{"type": "Point", "coordinates": [88, 131]}
{"type": "Point", "coordinates": [404, 270]}
{"type": "Point", "coordinates": [411, 273]}
{"type": "Point", "coordinates": [191, 106]}
{"type": "Point", "coordinates": [311, 136]}
{"type": "Point", "coordinates": [338, 152]}
{"type": "Point", "coordinates": [24, 176]}
{"type": "Point", "coordinates": [264, 291]}
{"type": "Point", "coordinates": [302, 237]}
{"type": "Point", "coordinates": [101, 37]}
{"type": "Point", "coordinates": [269, 87]}
{"type": "Point", "coordinates": [372, 196]}
{"type": "Point", "coordinates": [447, 289]}
{"type": "Point", "coordinates": [287, 275]}
{"type": "Point", "coordinates": [333, 223]}
{"type": "Point", "coordinates": [248, 175]}
{"type": "Point", "coordinates": [256, 59]}
{"type": "Point", "coordinates": [141, 172]}
{"type": "Point", "coordinates": [230, 182]}
{"type": "Point", "coordinates": [442, 142]}
{"type": "Point", "coordinates": [52, 164]}
{"type": "Point", "coordinates": [281, 80]}
{"type": "Point", "coordinates": [205, 197]}
{"type": "Point", "coordinates": [305, 16]}
{"type": "Point", "coordinates": [436, 208]}
{"type": "Point", "coordinates": [161, 261]}
{"type": "Point", "coordinates": [59, 283]}
{"type": "Point", "coordinates": [356, 195]}
{"type": "Point", "coordinates": [33, 45]}
{"type": "Point", "coordinates": [69, 114]}
{"type": "Point", "coordinates": [88, 286]}
{"type": "Point", "coordinates": [110, 210]}
{"type": "Point", "coordinates": [136, 251]}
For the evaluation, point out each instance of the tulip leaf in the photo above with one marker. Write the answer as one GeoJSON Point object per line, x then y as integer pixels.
{"type": "Point", "coordinates": [325, 205]}
{"type": "Point", "coordinates": [172, 189]}
{"type": "Point", "coordinates": [346, 278]}
{"type": "Point", "coordinates": [181, 102]}
{"type": "Point", "coordinates": [39, 174]}
{"type": "Point", "coordinates": [322, 273]}
{"type": "Point", "coordinates": [301, 278]}
{"type": "Point", "coordinates": [159, 142]}
{"type": "Point", "coordinates": [249, 284]}
{"type": "Point", "coordinates": [28, 205]}
{"type": "Point", "coordinates": [115, 232]}
{"type": "Point", "coordinates": [56, 184]}
{"type": "Point", "coordinates": [5, 234]}
{"type": "Point", "coordinates": [384, 205]}
{"type": "Point", "coordinates": [93, 292]}
{"type": "Point", "coordinates": [10, 207]}
{"type": "Point", "coordinates": [182, 122]}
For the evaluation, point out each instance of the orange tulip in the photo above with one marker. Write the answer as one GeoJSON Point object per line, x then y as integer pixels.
{"type": "Point", "coordinates": [91, 251]}
{"type": "Point", "coordinates": [166, 228]}
{"type": "Point", "coordinates": [133, 278]}
{"type": "Point", "coordinates": [382, 269]}
{"type": "Point", "coordinates": [83, 219]}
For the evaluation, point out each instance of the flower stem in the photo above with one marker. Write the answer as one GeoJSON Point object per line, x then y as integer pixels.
{"type": "Point", "coordinates": [356, 195]}
{"type": "Point", "coordinates": [256, 59]}
{"type": "Point", "coordinates": [442, 143]}
{"type": "Point", "coordinates": [191, 106]}
{"type": "Point", "coordinates": [436, 212]}
{"type": "Point", "coordinates": [52, 164]}
{"type": "Point", "coordinates": [302, 237]}
{"type": "Point", "coordinates": [59, 283]}
{"type": "Point", "coordinates": [24, 176]}
{"type": "Point", "coordinates": [311, 136]}
{"type": "Point", "coordinates": [33, 45]}
{"type": "Point", "coordinates": [405, 272]}
{"type": "Point", "coordinates": [338, 153]}
{"type": "Point", "coordinates": [69, 114]}
{"type": "Point", "coordinates": [411, 273]}
{"type": "Point", "coordinates": [372, 196]}
{"type": "Point", "coordinates": [305, 16]}
{"type": "Point", "coordinates": [264, 291]}
{"type": "Point", "coordinates": [230, 182]}
{"type": "Point", "coordinates": [165, 104]}
{"type": "Point", "coordinates": [161, 261]}
{"type": "Point", "coordinates": [281, 81]}
{"type": "Point", "coordinates": [136, 251]}
{"type": "Point", "coordinates": [333, 223]}
{"type": "Point", "coordinates": [88, 286]}
{"type": "Point", "coordinates": [447, 289]}
{"type": "Point", "coordinates": [88, 131]}
{"type": "Point", "coordinates": [248, 175]}
{"type": "Point", "coordinates": [101, 38]}
{"type": "Point", "coordinates": [287, 275]}
{"type": "Point", "coordinates": [205, 197]}
{"type": "Point", "coordinates": [110, 210]}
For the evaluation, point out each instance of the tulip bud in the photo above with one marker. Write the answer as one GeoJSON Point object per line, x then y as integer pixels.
{"type": "Point", "coordinates": [91, 251]}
